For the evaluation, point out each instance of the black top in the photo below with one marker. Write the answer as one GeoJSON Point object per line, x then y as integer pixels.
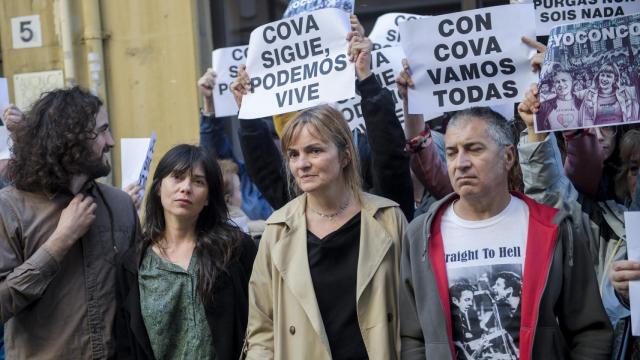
{"type": "Point", "coordinates": [333, 262]}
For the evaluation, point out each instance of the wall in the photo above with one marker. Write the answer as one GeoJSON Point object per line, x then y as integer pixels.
{"type": "Point", "coordinates": [151, 62]}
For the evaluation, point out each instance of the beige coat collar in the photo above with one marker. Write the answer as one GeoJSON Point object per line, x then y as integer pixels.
{"type": "Point", "coordinates": [289, 254]}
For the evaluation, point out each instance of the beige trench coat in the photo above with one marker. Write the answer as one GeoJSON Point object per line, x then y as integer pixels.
{"type": "Point", "coordinates": [284, 318]}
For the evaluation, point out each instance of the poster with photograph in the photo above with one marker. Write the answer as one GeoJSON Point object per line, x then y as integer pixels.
{"type": "Point", "coordinates": [297, 7]}
{"type": "Point", "coordinates": [225, 63]}
{"type": "Point", "coordinates": [550, 13]}
{"type": "Point", "coordinates": [590, 75]}
{"type": "Point", "coordinates": [470, 58]}
{"type": "Point", "coordinates": [386, 65]}
{"type": "Point", "coordinates": [297, 63]}
{"type": "Point", "coordinates": [386, 30]}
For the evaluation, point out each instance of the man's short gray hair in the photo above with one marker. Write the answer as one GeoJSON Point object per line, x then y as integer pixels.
{"type": "Point", "coordinates": [498, 128]}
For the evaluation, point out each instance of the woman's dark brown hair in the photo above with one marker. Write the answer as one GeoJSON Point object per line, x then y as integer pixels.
{"type": "Point", "coordinates": [51, 143]}
{"type": "Point", "coordinates": [216, 238]}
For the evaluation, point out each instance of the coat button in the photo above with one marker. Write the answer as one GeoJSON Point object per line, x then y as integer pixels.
{"type": "Point", "coordinates": [292, 329]}
{"type": "Point", "coordinates": [389, 317]}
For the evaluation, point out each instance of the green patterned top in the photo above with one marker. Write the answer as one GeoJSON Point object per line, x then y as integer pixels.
{"type": "Point", "coordinates": [172, 312]}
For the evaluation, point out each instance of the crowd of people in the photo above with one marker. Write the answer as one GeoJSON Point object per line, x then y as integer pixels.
{"type": "Point", "coordinates": [486, 240]}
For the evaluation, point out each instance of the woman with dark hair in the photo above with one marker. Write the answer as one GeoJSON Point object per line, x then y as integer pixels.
{"type": "Point", "coordinates": [182, 292]}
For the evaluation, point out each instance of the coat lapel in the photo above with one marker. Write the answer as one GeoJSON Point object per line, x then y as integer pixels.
{"type": "Point", "coordinates": [289, 255]}
{"type": "Point", "coordinates": [374, 245]}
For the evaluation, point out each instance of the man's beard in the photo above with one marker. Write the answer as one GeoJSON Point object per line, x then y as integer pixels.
{"type": "Point", "coordinates": [96, 168]}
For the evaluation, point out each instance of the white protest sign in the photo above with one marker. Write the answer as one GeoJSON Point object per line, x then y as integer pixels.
{"type": "Point", "coordinates": [386, 31]}
{"type": "Point", "coordinates": [137, 154]}
{"type": "Point", "coordinates": [507, 110]}
{"type": "Point", "coordinates": [632, 228]}
{"type": "Point", "coordinates": [550, 13]}
{"type": "Point", "coordinates": [225, 62]}
{"type": "Point", "coordinates": [386, 65]}
{"type": "Point", "coordinates": [590, 76]}
{"type": "Point", "coordinates": [4, 133]}
{"type": "Point", "coordinates": [133, 152]}
{"type": "Point", "coordinates": [470, 58]}
{"type": "Point", "coordinates": [297, 7]}
{"type": "Point", "coordinates": [298, 63]}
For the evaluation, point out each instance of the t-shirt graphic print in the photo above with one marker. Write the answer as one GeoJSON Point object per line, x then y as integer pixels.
{"type": "Point", "coordinates": [484, 261]}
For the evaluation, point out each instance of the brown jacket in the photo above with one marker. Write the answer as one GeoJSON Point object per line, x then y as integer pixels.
{"type": "Point", "coordinates": [66, 309]}
{"type": "Point", "coordinates": [284, 318]}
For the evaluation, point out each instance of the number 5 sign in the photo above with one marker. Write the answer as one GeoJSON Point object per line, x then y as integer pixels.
{"type": "Point", "coordinates": [26, 31]}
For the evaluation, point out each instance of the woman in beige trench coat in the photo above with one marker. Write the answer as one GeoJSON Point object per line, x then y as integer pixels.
{"type": "Point", "coordinates": [325, 280]}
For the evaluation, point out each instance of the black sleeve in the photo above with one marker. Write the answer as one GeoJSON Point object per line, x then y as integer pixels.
{"type": "Point", "coordinates": [389, 162]}
{"type": "Point", "coordinates": [123, 336]}
{"type": "Point", "coordinates": [582, 318]}
{"type": "Point", "coordinates": [263, 161]}
{"type": "Point", "coordinates": [248, 255]}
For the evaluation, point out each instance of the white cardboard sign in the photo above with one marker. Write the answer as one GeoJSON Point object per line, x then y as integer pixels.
{"type": "Point", "coordinates": [386, 30]}
{"type": "Point", "coordinates": [225, 64]}
{"type": "Point", "coordinates": [386, 65]}
{"type": "Point", "coordinates": [470, 58]}
{"type": "Point", "coordinates": [554, 13]}
{"type": "Point", "coordinates": [297, 63]}
{"type": "Point", "coordinates": [137, 154]}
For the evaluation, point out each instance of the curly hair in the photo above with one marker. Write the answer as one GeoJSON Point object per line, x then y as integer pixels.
{"type": "Point", "coordinates": [51, 143]}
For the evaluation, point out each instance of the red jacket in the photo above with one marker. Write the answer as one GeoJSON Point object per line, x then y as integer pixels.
{"type": "Point", "coordinates": [561, 312]}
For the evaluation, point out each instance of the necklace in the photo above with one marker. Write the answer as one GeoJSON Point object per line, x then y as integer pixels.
{"type": "Point", "coordinates": [331, 216]}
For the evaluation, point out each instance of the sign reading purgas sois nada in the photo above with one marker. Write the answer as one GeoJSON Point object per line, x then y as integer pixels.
{"type": "Point", "coordinates": [225, 64]}
{"type": "Point", "coordinates": [550, 13]}
{"type": "Point", "coordinates": [386, 31]}
{"type": "Point", "coordinates": [298, 63]}
{"type": "Point", "coordinates": [297, 7]}
{"type": "Point", "coordinates": [386, 65]}
{"type": "Point", "coordinates": [471, 58]}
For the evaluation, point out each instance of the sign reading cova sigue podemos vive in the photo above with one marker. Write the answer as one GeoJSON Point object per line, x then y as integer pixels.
{"type": "Point", "coordinates": [470, 58]}
{"type": "Point", "coordinates": [298, 63]}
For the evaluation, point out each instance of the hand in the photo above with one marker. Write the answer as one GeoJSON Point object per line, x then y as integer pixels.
{"type": "Point", "coordinates": [133, 190]}
{"type": "Point", "coordinates": [12, 116]}
{"type": "Point", "coordinates": [74, 222]}
{"type": "Point", "coordinates": [404, 81]}
{"type": "Point", "coordinates": [241, 85]}
{"type": "Point", "coordinates": [355, 25]}
{"type": "Point", "coordinates": [206, 84]}
{"type": "Point", "coordinates": [360, 53]}
{"type": "Point", "coordinates": [538, 59]}
{"type": "Point", "coordinates": [529, 106]}
{"type": "Point", "coordinates": [621, 273]}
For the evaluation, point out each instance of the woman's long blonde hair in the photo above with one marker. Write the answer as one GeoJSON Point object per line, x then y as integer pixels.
{"type": "Point", "coordinates": [327, 124]}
